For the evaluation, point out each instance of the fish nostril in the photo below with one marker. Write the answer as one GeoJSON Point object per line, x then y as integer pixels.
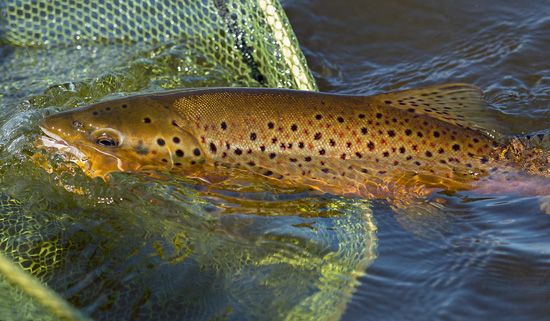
{"type": "Point", "coordinates": [77, 124]}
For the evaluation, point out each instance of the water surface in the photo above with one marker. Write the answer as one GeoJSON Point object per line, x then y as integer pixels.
{"type": "Point", "coordinates": [490, 257]}
{"type": "Point", "coordinates": [247, 249]}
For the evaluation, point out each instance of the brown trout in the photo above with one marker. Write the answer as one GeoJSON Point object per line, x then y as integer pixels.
{"type": "Point", "coordinates": [373, 146]}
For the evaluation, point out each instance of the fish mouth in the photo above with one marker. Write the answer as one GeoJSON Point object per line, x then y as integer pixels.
{"type": "Point", "coordinates": [55, 144]}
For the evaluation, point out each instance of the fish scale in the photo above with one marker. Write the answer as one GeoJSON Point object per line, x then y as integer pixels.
{"type": "Point", "coordinates": [357, 145]}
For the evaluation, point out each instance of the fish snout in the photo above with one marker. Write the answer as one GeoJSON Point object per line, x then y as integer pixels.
{"type": "Point", "coordinates": [57, 126]}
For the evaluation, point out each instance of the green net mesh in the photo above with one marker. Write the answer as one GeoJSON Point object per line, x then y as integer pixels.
{"type": "Point", "coordinates": [175, 260]}
{"type": "Point", "coordinates": [252, 38]}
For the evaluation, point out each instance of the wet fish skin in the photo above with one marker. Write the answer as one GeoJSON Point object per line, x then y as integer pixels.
{"type": "Point", "coordinates": [354, 145]}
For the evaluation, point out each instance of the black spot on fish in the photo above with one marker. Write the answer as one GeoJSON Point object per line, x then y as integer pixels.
{"type": "Point", "coordinates": [358, 155]}
{"type": "Point", "coordinates": [325, 170]}
{"type": "Point", "coordinates": [294, 127]}
{"type": "Point", "coordinates": [94, 113]}
{"type": "Point", "coordinates": [253, 136]}
{"type": "Point", "coordinates": [364, 130]}
{"type": "Point", "coordinates": [456, 147]}
{"type": "Point", "coordinates": [408, 158]}
{"type": "Point", "coordinates": [147, 120]}
{"type": "Point", "coordinates": [370, 146]}
{"type": "Point", "coordinates": [419, 134]}
{"type": "Point", "coordinates": [428, 154]}
{"type": "Point", "coordinates": [108, 108]}
{"type": "Point", "coordinates": [332, 142]}
{"type": "Point", "coordinates": [165, 160]}
{"type": "Point", "coordinates": [318, 136]}
{"type": "Point", "coordinates": [179, 153]}
{"type": "Point", "coordinates": [124, 106]}
{"type": "Point", "coordinates": [251, 163]}
{"type": "Point", "coordinates": [343, 156]}
{"type": "Point", "coordinates": [391, 133]}
{"type": "Point", "coordinates": [224, 126]}
{"type": "Point", "coordinates": [379, 115]}
{"type": "Point", "coordinates": [274, 140]}
{"type": "Point", "coordinates": [340, 119]}
{"type": "Point", "coordinates": [301, 144]}
{"type": "Point", "coordinates": [174, 123]}
{"type": "Point", "coordinates": [361, 116]}
{"type": "Point", "coordinates": [476, 140]}
{"type": "Point", "coordinates": [270, 125]}
{"type": "Point", "coordinates": [268, 173]}
{"type": "Point", "coordinates": [441, 151]}
{"type": "Point", "coordinates": [262, 148]}
{"type": "Point", "coordinates": [238, 151]}
{"type": "Point", "coordinates": [322, 152]}
{"type": "Point", "coordinates": [272, 155]}
{"type": "Point", "coordinates": [436, 134]}
{"type": "Point", "coordinates": [196, 152]}
{"type": "Point", "coordinates": [213, 148]}
{"type": "Point", "coordinates": [307, 159]}
{"type": "Point", "coordinates": [294, 160]}
{"type": "Point", "coordinates": [318, 116]}
{"type": "Point", "coordinates": [402, 150]}
{"type": "Point", "coordinates": [408, 132]}
{"type": "Point", "coordinates": [176, 140]}
{"type": "Point", "coordinates": [161, 142]}
{"type": "Point", "coordinates": [386, 154]}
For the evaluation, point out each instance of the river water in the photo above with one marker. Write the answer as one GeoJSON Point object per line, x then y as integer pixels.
{"type": "Point", "coordinates": [490, 259]}
{"type": "Point", "coordinates": [137, 248]}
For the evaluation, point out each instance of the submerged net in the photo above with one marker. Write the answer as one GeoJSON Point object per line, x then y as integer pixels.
{"type": "Point", "coordinates": [61, 54]}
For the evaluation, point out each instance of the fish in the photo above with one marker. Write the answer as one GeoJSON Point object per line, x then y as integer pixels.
{"type": "Point", "coordinates": [395, 144]}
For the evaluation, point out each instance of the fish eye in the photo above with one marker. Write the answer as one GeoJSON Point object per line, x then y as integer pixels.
{"type": "Point", "coordinates": [105, 141]}
{"type": "Point", "coordinates": [106, 137]}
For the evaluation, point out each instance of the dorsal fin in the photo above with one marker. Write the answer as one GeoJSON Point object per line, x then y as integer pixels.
{"type": "Point", "coordinates": [458, 104]}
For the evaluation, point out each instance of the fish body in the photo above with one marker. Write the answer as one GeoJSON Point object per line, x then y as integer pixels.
{"type": "Point", "coordinates": [352, 145]}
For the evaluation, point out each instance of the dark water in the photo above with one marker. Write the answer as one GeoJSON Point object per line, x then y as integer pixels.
{"type": "Point", "coordinates": [491, 258]}
{"type": "Point", "coordinates": [139, 246]}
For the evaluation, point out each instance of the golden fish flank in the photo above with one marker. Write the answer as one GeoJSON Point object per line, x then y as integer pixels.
{"type": "Point", "coordinates": [347, 144]}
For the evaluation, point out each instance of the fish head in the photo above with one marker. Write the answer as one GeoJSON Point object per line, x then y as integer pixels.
{"type": "Point", "coordinates": [129, 134]}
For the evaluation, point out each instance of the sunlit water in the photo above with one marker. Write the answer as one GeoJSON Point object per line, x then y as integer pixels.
{"type": "Point", "coordinates": [251, 249]}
